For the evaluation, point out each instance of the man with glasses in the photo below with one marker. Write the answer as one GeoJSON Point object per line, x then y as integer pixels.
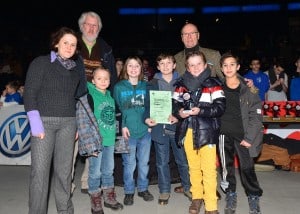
{"type": "Point", "coordinates": [94, 50]}
{"type": "Point", "coordinates": [190, 36]}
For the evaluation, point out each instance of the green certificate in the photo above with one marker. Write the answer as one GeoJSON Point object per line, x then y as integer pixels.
{"type": "Point", "coordinates": [160, 106]}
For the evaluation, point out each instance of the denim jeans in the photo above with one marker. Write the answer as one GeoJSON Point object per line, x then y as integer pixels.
{"type": "Point", "coordinates": [139, 155]}
{"type": "Point", "coordinates": [101, 170]}
{"type": "Point", "coordinates": [162, 152]}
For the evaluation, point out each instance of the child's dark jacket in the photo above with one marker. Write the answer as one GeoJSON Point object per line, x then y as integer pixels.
{"type": "Point", "coordinates": [209, 97]}
{"type": "Point", "coordinates": [251, 117]}
{"type": "Point", "coordinates": [158, 83]}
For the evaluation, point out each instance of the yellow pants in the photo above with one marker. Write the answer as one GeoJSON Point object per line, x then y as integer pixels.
{"type": "Point", "coordinates": [203, 172]}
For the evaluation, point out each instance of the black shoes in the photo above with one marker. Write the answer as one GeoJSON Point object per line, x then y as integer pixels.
{"type": "Point", "coordinates": [84, 191]}
{"type": "Point", "coordinates": [146, 195]}
{"type": "Point", "coordinates": [253, 201]}
{"type": "Point", "coordinates": [163, 198]}
{"type": "Point", "coordinates": [128, 200]}
{"type": "Point", "coordinates": [231, 203]}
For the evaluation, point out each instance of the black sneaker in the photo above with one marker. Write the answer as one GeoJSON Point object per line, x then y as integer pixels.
{"type": "Point", "coordinates": [163, 198]}
{"type": "Point", "coordinates": [84, 191]}
{"type": "Point", "coordinates": [128, 200]}
{"type": "Point", "coordinates": [146, 195]}
{"type": "Point", "coordinates": [254, 207]}
{"type": "Point", "coordinates": [231, 202]}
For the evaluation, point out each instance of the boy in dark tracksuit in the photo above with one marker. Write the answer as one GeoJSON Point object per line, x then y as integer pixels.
{"type": "Point", "coordinates": [241, 134]}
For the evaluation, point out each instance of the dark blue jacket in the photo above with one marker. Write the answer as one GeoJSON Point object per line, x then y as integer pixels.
{"type": "Point", "coordinates": [158, 83]}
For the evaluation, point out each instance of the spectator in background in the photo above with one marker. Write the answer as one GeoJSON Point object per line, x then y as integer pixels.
{"type": "Point", "coordinates": [118, 171]}
{"type": "Point", "coordinates": [119, 66]}
{"type": "Point", "coordinates": [278, 82]}
{"type": "Point", "coordinates": [10, 95]}
{"type": "Point", "coordinates": [6, 75]}
{"type": "Point", "coordinates": [16, 67]}
{"type": "Point", "coordinates": [148, 71]}
{"type": "Point", "coordinates": [295, 83]}
{"type": "Point", "coordinates": [190, 36]}
{"type": "Point", "coordinates": [21, 90]}
{"type": "Point", "coordinates": [260, 79]}
{"type": "Point", "coordinates": [95, 52]}
{"type": "Point", "coordinates": [52, 83]}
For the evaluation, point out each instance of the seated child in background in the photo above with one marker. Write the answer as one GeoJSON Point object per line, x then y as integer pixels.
{"type": "Point", "coordinates": [295, 83]}
{"type": "Point", "coordinates": [11, 95]}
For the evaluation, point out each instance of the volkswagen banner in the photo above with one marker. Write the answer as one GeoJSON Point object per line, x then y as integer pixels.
{"type": "Point", "coordinates": [14, 136]}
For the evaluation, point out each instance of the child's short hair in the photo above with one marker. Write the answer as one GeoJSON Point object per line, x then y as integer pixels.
{"type": "Point", "coordinates": [254, 58]}
{"type": "Point", "coordinates": [165, 56]}
{"type": "Point", "coordinates": [229, 55]}
{"type": "Point", "coordinates": [194, 53]}
{"type": "Point", "coordinates": [15, 84]}
{"type": "Point", "coordinates": [102, 69]}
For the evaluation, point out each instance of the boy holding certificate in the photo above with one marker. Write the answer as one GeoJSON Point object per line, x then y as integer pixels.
{"type": "Point", "coordinates": [163, 134]}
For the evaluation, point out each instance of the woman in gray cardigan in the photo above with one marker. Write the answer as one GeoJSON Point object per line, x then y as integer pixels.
{"type": "Point", "coordinates": [52, 82]}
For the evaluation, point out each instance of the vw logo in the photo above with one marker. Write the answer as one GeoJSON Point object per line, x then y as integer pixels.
{"type": "Point", "coordinates": [15, 135]}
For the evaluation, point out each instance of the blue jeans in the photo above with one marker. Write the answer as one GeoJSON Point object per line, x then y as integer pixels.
{"type": "Point", "coordinates": [101, 170]}
{"type": "Point", "coordinates": [162, 152]}
{"type": "Point", "coordinates": [139, 154]}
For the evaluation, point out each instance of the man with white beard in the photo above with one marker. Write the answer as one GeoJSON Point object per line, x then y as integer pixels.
{"type": "Point", "coordinates": [95, 52]}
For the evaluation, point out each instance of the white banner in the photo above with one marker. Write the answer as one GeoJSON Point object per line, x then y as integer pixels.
{"type": "Point", "coordinates": [284, 130]}
{"type": "Point", "coordinates": [14, 136]}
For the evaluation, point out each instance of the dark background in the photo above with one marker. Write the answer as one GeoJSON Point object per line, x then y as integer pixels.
{"type": "Point", "coordinates": [26, 27]}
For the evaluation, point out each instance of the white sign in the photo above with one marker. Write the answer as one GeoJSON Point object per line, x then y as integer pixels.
{"type": "Point", "coordinates": [14, 136]}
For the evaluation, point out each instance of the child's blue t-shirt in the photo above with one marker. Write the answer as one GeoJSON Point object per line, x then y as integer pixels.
{"type": "Point", "coordinates": [15, 97]}
{"type": "Point", "coordinates": [295, 89]}
{"type": "Point", "coordinates": [261, 81]}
